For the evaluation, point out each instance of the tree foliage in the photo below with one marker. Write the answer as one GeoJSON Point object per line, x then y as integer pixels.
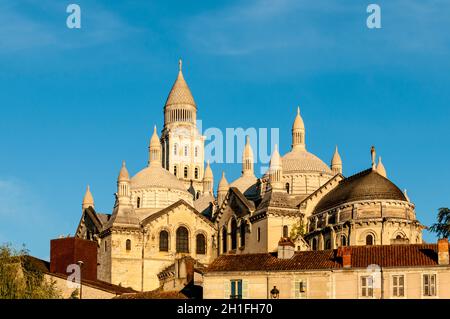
{"type": "Point", "coordinates": [297, 230]}
{"type": "Point", "coordinates": [442, 227]}
{"type": "Point", "coordinates": [20, 279]}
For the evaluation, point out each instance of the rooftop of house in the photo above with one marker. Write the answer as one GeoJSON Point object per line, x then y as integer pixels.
{"type": "Point", "coordinates": [414, 255]}
{"type": "Point", "coordinates": [44, 267]}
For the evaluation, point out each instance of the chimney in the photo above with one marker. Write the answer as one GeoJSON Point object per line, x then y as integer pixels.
{"type": "Point", "coordinates": [346, 257]}
{"type": "Point", "coordinates": [286, 248]}
{"type": "Point", "coordinates": [68, 251]}
{"type": "Point", "coordinates": [443, 251]}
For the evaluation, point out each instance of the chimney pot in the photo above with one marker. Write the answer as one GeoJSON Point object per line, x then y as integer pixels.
{"type": "Point", "coordinates": [443, 256]}
{"type": "Point", "coordinates": [286, 248]}
{"type": "Point", "coordinates": [346, 257]}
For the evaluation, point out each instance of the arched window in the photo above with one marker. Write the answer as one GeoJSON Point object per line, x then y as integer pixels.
{"type": "Point", "coordinates": [242, 232]}
{"type": "Point", "coordinates": [328, 244]}
{"type": "Point", "coordinates": [287, 188]}
{"type": "Point", "coordinates": [224, 240]}
{"type": "Point", "coordinates": [175, 170]}
{"type": "Point", "coordinates": [175, 149]}
{"type": "Point", "coordinates": [128, 244]}
{"type": "Point", "coordinates": [163, 241]}
{"type": "Point", "coordinates": [138, 202]}
{"type": "Point", "coordinates": [399, 236]}
{"type": "Point", "coordinates": [369, 240]}
{"type": "Point", "coordinates": [186, 151]}
{"type": "Point", "coordinates": [182, 240]}
{"type": "Point", "coordinates": [314, 244]}
{"type": "Point", "coordinates": [198, 195]}
{"type": "Point", "coordinates": [258, 234]}
{"type": "Point", "coordinates": [196, 173]}
{"type": "Point", "coordinates": [233, 234]}
{"type": "Point", "coordinates": [285, 231]}
{"type": "Point", "coordinates": [201, 244]}
{"type": "Point", "coordinates": [343, 240]}
{"type": "Point", "coordinates": [185, 172]}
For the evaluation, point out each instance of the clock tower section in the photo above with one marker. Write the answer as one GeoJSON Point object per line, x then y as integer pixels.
{"type": "Point", "coordinates": [182, 144]}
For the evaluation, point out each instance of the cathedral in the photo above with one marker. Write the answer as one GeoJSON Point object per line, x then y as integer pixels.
{"type": "Point", "coordinates": [168, 214]}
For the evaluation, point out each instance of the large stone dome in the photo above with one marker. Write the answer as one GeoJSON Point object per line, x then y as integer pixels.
{"type": "Point", "coordinates": [366, 185]}
{"type": "Point", "coordinates": [302, 161]}
{"type": "Point", "coordinates": [156, 177]}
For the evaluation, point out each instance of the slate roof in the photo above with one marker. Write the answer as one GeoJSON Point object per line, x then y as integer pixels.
{"type": "Point", "coordinates": [366, 185]}
{"type": "Point", "coordinates": [103, 217]}
{"type": "Point", "coordinates": [247, 185]}
{"type": "Point", "coordinates": [248, 203]}
{"type": "Point", "coordinates": [280, 200]}
{"type": "Point", "coordinates": [171, 207]}
{"type": "Point", "coordinates": [205, 204]}
{"type": "Point", "coordinates": [417, 255]}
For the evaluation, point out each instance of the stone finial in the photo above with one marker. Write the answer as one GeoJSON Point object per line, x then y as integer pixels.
{"type": "Point", "coordinates": [380, 168]}
{"type": "Point", "coordinates": [223, 183]}
{"type": "Point", "coordinates": [336, 162]}
{"type": "Point", "coordinates": [405, 192]}
{"type": "Point", "coordinates": [154, 149]}
{"type": "Point", "coordinates": [123, 175]}
{"type": "Point", "coordinates": [88, 199]}
{"type": "Point", "coordinates": [373, 154]}
{"type": "Point", "coordinates": [298, 132]}
{"type": "Point", "coordinates": [275, 170]}
{"type": "Point", "coordinates": [247, 158]}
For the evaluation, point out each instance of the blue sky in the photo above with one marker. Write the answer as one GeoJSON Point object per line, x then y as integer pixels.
{"type": "Point", "coordinates": [75, 103]}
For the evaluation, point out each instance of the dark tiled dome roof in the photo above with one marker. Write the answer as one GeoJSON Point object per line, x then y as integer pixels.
{"type": "Point", "coordinates": [366, 185]}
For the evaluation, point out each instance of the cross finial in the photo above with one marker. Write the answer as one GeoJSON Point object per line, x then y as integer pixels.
{"type": "Point", "coordinates": [180, 64]}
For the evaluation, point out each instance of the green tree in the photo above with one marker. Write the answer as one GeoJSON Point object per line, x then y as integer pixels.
{"type": "Point", "coordinates": [20, 278]}
{"type": "Point", "coordinates": [75, 294]}
{"type": "Point", "coordinates": [298, 229]}
{"type": "Point", "coordinates": [442, 227]}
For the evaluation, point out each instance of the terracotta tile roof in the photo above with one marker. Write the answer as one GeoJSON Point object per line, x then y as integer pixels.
{"type": "Point", "coordinates": [418, 255]}
{"type": "Point", "coordinates": [395, 255]}
{"type": "Point", "coordinates": [154, 294]}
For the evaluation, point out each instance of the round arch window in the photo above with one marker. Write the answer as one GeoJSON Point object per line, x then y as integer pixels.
{"type": "Point", "coordinates": [369, 240]}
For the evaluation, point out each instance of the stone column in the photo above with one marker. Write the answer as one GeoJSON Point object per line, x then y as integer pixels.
{"type": "Point", "coordinates": [333, 238]}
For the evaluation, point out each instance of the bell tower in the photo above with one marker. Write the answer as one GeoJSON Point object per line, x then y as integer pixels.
{"type": "Point", "coordinates": [182, 143]}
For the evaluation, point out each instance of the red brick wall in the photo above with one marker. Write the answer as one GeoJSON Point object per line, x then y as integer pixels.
{"type": "Point", "coordinates": [66, 251]}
